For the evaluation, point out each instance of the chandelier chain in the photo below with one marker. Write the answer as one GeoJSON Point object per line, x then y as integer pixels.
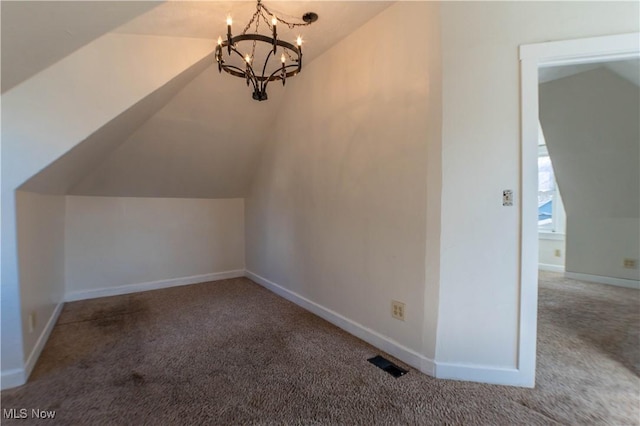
{"type": "Point", "coordinates": [286, 51]}
{"type": "Point", "coordinates": [256, 19]}
{"type": "Point", "coordinates": [259, 13]}
{"type": "Point", "coordinates": [253, 18]}
{"type": "Point", "coordinates": [253, 48]}
{"type": "Point", "coordinates": [291, 25]}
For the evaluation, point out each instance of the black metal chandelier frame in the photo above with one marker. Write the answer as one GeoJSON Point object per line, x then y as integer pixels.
{"type": "Point", "coordinates": [259, 81]}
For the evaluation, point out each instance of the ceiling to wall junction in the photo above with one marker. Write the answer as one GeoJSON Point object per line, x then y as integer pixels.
{"type": "Point", "coordinates": [628, 69]}
{"type": "Point", "coordinates": [205, 139]}
{"type": "Point", "coordinates": [204, 143]}
{"type": "Point", "coordinates": [207, 19]}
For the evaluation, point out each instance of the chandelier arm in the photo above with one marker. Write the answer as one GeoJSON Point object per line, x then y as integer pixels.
{"type": "Point", "coordinates": [239, 72]}
{"type": "Point", "coordinates": [264, 81]}
{"type": "Point", "coordinates": [294, 72]}
{"type": "Point", "coordinates": [266, 61]}
{"type": "Point", "coordinates": [242, 73]}
{"type": "Point", "coordinates": [233, 49]}
{"type": "Point", "coordinates": [252, 77]}
{"type": "Point", "coordinates": [235, 71]}
{"type": "Point", "coordinates": [275, 77]}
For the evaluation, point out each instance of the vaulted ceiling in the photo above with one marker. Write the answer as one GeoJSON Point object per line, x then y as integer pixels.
{"type": "Point", "coordinates": [37, 34]}
{"type": "Point", "coordinates": [628, 69]}
{"type": "Point", "coordinates": [198, 134]}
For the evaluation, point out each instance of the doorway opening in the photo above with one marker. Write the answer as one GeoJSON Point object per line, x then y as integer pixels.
{"type": "Point", "coordinates": [532, 58]}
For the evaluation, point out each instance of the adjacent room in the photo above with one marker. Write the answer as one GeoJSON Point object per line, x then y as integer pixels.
{"type": "Point", "coordinates": [224, 212]}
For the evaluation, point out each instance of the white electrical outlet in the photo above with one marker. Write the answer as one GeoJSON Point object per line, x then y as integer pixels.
{"type": "Point", "coordinates": [630, 263]}
{"type": "Point", "coordinates": [397, 310]}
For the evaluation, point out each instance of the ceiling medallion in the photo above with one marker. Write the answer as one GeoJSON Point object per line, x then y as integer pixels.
{"type": "Point", "coordinates": [259, 73]}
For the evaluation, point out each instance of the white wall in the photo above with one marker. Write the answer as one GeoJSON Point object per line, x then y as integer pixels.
{"type": "Point", "coordinates": [41, 253]}
{"type": "Point", "coordinates": [548, 260]}
{"type": "Point", "coordinates": [344, 209]}
{"type": "Point", "coordinates": [47, 115]}
{"type": "Point", "coordinates": [479, 288]}
{"type": "Point", "coordinates": [591, 126]}
{"type": "Point", "coordinates": [598, 246]}
{"type": "Point", "coordinates": [113, 242]}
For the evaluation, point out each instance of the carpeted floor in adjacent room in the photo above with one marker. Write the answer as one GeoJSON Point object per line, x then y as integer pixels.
{"type": "Point", "coordinates": [231, 352]}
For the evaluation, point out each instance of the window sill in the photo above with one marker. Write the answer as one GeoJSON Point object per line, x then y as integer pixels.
{"type": "Point", "coordinates": [549, 235]}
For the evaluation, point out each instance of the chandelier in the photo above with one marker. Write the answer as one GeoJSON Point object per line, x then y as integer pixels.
{"type": "Point", "coordinates": [249, 66]}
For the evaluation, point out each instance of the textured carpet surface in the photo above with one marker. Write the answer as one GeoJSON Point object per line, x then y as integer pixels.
{"type": "Point", "coordinates": [231, 352]}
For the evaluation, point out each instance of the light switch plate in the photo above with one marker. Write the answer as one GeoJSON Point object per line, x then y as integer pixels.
{"type": "Point", "coordinates": [507, 197]}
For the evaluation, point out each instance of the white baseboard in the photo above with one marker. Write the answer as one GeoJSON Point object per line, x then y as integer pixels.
{"type": "Point", "coordinates": [381, 342]}
{"type": "Point", "coordinates": [618, 282]}
{"type": "Point", "coordinates": [42, 341]}
{"type": "Point", "coordinates": [152, 285]}
{"type": "Point", "coordinates": [12, 378]}
{"type": "Point", "coordinates": [19, 376]}
{"type": "Point", "coordinates": [550, 268]}
{"type": "Point", "coordinates": [483, 374]}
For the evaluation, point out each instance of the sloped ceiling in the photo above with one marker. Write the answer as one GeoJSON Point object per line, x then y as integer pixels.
{"type": "Point", "coordinates": [36, 34]}
{"type": "Point", "coordinates": [83, 158]}
{"type": "Point", "coordinates": [628, 69]}
{"type": "Point", "coordinates": [207, 19]}
{"type": "Point", "coordinates": [203, 144]}
{"type": "Point", "coordinates": [206, 140]}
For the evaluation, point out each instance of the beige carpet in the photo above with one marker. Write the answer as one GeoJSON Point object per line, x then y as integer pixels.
{"type": "Point", "coordinates": [231, 352]}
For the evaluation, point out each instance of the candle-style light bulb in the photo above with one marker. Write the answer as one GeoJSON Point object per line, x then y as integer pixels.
{"type": "Point", "coordinates": [283, 72]}
{"type": "Point", "coordinates": [274, 22]}
{"type": "Point", "coordinates": [219, 53]}
{"type": "Point", "coordinates": [247, 71]}
{"type": "Point", "coordinates": [229, 22]}
{"type": "Point", "coordinates": [299, 42]}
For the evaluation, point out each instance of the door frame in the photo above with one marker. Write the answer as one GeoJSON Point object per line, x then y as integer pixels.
{"type": "Point", "coordinates": [532, 57]}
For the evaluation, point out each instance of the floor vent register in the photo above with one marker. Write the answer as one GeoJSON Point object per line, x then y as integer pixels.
{"type": "Point", "coordinates": [387, 366]}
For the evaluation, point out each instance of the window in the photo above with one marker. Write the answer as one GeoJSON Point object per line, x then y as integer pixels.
{"type": "Point", "coordinates": [551, 216]}
{"type": "Point", "coordinates": [546, 189]}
